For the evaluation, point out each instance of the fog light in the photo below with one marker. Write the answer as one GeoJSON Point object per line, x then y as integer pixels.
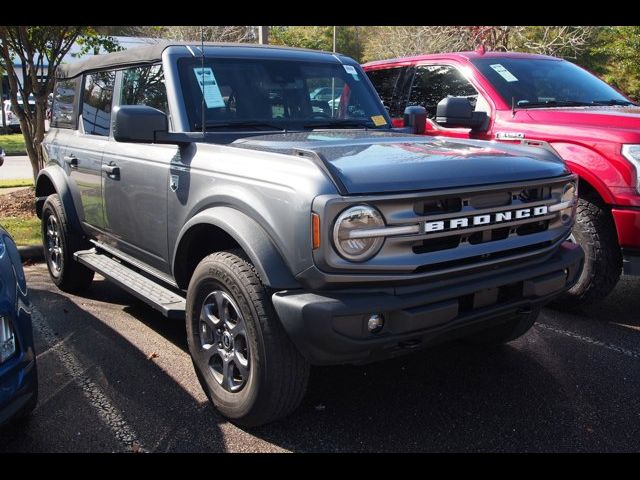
{"type": "Point", "coordinates": [375, 323]}
{"type": "Point", "coordinates": [7, 340]}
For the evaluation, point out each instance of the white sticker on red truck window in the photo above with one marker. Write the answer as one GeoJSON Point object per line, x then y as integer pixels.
{"type": "Point", "coordinates": [504, 73]}
{"type": "Point", "coordinates": [209, 87]}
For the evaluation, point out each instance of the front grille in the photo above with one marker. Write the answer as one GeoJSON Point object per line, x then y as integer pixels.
{"type": "Point", "coordinates": [432, 267]}
{"type": "Point", "coordinates": [478, 204]}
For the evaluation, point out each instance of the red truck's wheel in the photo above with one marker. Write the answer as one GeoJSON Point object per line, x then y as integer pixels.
{"type": "Point", "coordinates": [595, 232]}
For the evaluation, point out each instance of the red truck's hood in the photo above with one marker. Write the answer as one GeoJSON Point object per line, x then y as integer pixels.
{"type": "Point", "coordinates": [626, 118]}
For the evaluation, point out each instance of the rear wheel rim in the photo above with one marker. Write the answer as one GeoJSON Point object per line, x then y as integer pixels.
{"type": "Point", "coordinates": [54, 245]}
{"type": "Point", "coordinates": [223, 341]}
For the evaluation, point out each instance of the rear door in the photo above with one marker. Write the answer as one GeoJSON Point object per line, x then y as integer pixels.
{"type": "Point", "coordinates": [83, 150]}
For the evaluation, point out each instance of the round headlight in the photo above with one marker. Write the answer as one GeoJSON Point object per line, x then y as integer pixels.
{"type": "Point", "coordinates": [349, 233]}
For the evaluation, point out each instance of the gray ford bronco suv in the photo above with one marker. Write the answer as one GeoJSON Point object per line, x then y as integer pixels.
{"type": "Point", "coordinates": [287, 230]}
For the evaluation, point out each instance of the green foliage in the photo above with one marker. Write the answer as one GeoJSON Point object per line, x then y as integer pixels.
{"type": "Point", "coordinates": [348, 39]}
{"type": "Point", "coordinates": [13, 143]}
{"type": "Point", "coordinates": [91, 41]}
{"type": "Point", "coordinates": [617, 55]}
{"type": "Point", "coordinates": [24, 230]}
{"type": "Point", "coordinates": [16, 182]}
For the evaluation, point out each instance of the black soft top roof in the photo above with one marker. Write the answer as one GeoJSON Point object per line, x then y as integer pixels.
{"type": "Point", "coordinates": [153, 54]}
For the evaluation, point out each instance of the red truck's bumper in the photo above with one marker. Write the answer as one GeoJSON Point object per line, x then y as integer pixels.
{"type": "Point", "coordinates": [628, 228]}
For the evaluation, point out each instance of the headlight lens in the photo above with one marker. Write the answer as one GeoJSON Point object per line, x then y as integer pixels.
{"type": "Point", "coordinates": [7, 339]}
{"type": "Point", "coordinates": [347, 231]}
{"type": "Point", "coordinates": [632, 153]}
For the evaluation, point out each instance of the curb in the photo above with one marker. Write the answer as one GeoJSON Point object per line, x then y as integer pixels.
{"type": "Point", "coordinates": [31, 252]}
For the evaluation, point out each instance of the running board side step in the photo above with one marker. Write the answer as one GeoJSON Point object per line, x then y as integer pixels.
{"type": "Point", "coordinates": [169, 303]}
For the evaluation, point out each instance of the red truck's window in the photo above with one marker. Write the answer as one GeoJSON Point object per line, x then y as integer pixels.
{"type": "Point", "coordinates": [432, 83]}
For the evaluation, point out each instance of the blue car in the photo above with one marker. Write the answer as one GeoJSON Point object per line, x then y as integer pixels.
{"type": "Point", "coordinates": [18, 372]}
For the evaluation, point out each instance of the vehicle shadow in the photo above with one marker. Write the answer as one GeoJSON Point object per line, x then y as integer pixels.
{"type": "Point", "coordinates": [164, 414]}
{"type": "Point", "coordinates": [450, 398]}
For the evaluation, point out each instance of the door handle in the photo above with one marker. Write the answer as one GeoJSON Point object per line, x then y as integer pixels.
{"type": "Point", "coordinates": [71, 160]}
{"type": "Point", "coordinates": [112, 171]}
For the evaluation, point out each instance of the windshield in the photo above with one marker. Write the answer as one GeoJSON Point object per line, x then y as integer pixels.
{"type": "Point", "coordinates": [278, 94]}
{"type": "Point", "coordinates": [530, 83]}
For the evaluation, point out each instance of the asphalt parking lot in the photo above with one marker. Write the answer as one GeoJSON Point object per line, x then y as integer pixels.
{"type": "Point", "coordinates": [115, 376]}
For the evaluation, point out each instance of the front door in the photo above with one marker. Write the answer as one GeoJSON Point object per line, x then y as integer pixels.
{"type": "Point", "coordinates": [136, 177]}
{"type": "Point", "coordinates": [432, 83]}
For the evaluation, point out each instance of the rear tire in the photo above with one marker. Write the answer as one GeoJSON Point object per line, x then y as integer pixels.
{"type": "Point", "coordinates": [504, 332]}
{"type": "Point", "coordinates": [244, 360]}
{"type": "Point", "coordinates": [595, 232]}
{"type": "Point", "coordinates": [59, 244]}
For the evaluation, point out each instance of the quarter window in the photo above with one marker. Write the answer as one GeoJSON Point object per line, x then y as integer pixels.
{"type": "Point", "coordinates": [96, 102]}
{"type": "Point", "coordinates": [64, 110]}
{"type": "Point", "coordinates": [432, 83]}
{"type": "Point", "coordinates": [144, 86]}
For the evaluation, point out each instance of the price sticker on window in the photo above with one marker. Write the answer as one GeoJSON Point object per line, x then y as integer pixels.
{"type": "Point", "coordinates": [504, 73]}
{"type": "Point", "coordinates": [209, 87]}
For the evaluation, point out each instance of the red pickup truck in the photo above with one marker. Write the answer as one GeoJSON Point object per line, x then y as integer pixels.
{"type": "Point", "coordinates": [543, 101]}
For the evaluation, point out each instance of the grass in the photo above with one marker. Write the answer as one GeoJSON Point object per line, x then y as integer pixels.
{"type": "Point", "coordinates": [16, 182]}
{"type": "Point", "coordinates": [24, 230]}
{"type": "Point", "coordinates": [13, 144]}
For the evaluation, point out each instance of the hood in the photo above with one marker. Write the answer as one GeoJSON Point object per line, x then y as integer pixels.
{"type": "Point", "coordinates": [625, 118]}
{"type": "Point", "coordinates": [369, 162]}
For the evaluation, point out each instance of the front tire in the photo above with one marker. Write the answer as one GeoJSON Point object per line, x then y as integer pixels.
{"type": "Point", "coordinates": [595, 232]}
{"type": "Point", "coordinates": [59, 244]}
{"type": "Point", "coordinates": [244, 360]}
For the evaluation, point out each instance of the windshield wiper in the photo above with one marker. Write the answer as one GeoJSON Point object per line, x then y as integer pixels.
{"type": "Point", "coordinates": [613, 101]}
{"type": "Point", "coordinates": [553, 103]}
{"type": "Point", "coordinates": [241, 124]}
{"type": "Point", "coordinates": [338, 124]}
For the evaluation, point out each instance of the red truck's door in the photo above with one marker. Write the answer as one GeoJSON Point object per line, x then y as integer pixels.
{"type": "Point", "coordinates": [426, 85]}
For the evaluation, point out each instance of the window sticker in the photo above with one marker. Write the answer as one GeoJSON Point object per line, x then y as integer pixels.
{"type": "Point", "coordinates": [350, 69]}
{"type": "Point", "coordinates": [504, 73]}
{"type": "Point", "coordinates": [209, 87]}
{"type": "Point", "coordinates": [378, 120]}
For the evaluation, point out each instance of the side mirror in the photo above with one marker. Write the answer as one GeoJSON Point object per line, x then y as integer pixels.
{"type": "Point", "coordinates": [415, 118]}
{"type": "Point", "coordinates": [458, 112]}
{"type": "Point", "coordinates": [138, 123]}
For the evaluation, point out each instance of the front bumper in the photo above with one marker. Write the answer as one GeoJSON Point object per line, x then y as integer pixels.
{"type": "Point", "coordinates": [329, 327]}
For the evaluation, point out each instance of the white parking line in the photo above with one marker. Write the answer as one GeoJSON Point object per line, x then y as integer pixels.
{"type": "Point", "coordinates": [592, 341]}
{"type": "Point", "coordinates": [107, 412]}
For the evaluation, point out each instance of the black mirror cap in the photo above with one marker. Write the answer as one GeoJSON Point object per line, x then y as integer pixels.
{"type": "Point", "coordinates": [415, 118]}
{"type": "Point", "coordinates": [458, 112]}
{"type": "Point", "coordinates": [138, 123]}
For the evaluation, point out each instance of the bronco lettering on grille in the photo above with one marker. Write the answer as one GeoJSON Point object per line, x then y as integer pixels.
{"type": "Point", "coordinates": [485, 219]}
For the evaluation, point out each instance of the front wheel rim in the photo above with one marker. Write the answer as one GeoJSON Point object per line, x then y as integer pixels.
{"type": "Point", "coordinates": [223, 341]}
{"type": "Point", "coordinates": [54, 245]}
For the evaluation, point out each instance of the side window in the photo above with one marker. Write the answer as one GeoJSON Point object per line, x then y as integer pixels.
{"type": "Point", "coordinates": [96, 102]}
{"type": "Point", "coordinates": [384, 82]}
{"type": "Point", "coordinates": [64, 110]}
{"type": "Point", "coordinates": [144, 86]}
{"type": "Point", "coordinates": [432, 83]}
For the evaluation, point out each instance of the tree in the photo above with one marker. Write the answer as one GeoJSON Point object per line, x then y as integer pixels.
{"type": "Point", "coordinates": [40, 51]}
{"type": "Point", "coordinates": [399, 41]}
{"type": "Point", "coordinates": [348, 39]}
{"type": "Point", "coordinates": [616, 57]}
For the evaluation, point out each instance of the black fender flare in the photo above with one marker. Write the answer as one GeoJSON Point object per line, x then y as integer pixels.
{"type": "Point", "coordinates": [251, 237]}
{"type": "Point", "coordinates": [56, 176]}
